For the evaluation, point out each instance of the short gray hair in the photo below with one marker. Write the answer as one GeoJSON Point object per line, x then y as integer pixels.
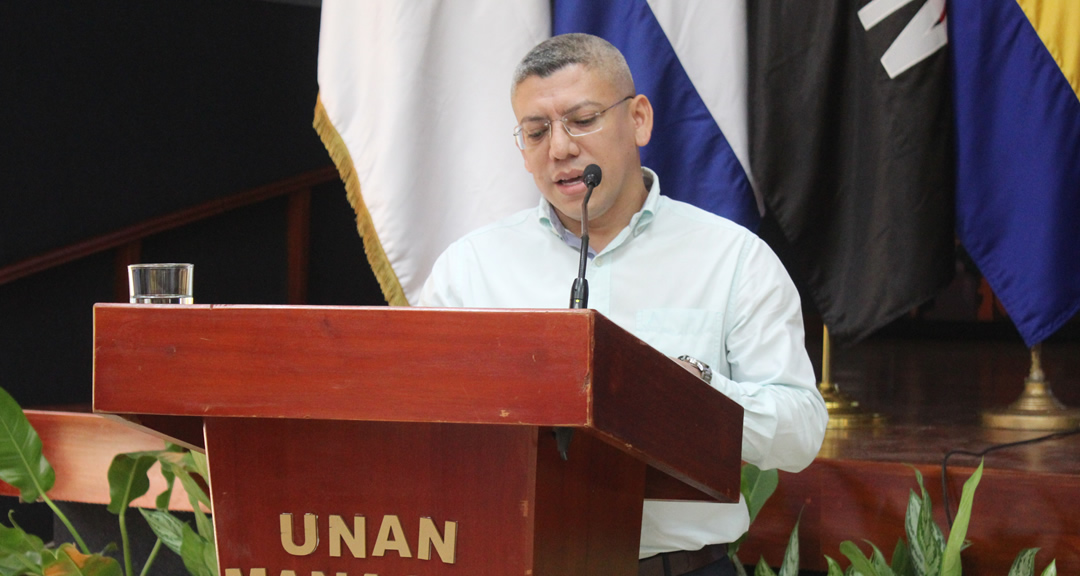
{"type": "Point", "coordinates": [558, 52]}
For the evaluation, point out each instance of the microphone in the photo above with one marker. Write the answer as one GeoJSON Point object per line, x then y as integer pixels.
{"type": "Point", "coordinates": [579, 292]}
{"type": "Point", "coordinates": [592, 176]}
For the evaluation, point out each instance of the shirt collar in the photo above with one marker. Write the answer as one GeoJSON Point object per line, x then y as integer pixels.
{"type": "Point", "coordinates": [548, 219]}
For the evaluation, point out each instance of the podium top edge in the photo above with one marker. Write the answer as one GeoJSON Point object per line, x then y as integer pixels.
{"type": "Point", "coordinates": [392, 309]}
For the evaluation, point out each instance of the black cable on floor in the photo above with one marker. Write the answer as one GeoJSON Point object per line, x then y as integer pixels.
{"type": "Point", "coordinates": [950, 453]}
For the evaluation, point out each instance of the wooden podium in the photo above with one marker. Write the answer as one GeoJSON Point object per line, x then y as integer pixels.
{"type": "Point", "coordinates": [397, 442]}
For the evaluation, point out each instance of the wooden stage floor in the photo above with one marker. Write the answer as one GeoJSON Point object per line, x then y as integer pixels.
{"type": "Point", "coordinates": [932, 393]}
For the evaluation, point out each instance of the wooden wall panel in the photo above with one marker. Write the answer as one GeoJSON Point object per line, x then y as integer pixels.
{"type": "Point", "coordinates": [80, 446]}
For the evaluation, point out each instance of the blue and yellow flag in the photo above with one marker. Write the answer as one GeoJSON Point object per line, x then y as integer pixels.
{"type": "Point", "coordinates": [1017, 93]}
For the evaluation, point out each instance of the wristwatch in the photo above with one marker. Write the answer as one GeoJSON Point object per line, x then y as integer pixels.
{"type": "Point", "coordinates": [703, 368]}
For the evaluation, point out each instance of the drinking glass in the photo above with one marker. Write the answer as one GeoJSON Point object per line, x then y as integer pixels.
{"type": "Point", "coordinates": [161, 283]}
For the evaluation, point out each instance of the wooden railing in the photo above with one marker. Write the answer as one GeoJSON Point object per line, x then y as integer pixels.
{"type": "Point", "coordinates": [81, 445]}
{"type": "Point", "coordinates": [128, 241]}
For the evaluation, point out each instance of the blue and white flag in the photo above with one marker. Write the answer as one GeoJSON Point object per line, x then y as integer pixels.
{"type": "Point", "coordinates": [689, 59]}
{"type": "Point", "coordinates": [414, 108]}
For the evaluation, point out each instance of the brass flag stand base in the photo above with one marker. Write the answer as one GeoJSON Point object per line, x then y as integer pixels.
{"type": "Point", "coordinates": [844, 412]}
{"type": "Point", "coordinates": [1036, 408]}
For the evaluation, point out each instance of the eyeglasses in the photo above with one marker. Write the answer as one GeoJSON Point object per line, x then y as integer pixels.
{"type": "Point", "coordinates": [531, 133]}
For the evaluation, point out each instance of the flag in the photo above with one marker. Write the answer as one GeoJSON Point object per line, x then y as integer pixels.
{"type": "Point", "coordinates": [414, 108]}
{"type": "Point", "coordinates": [1017, 93]}
{"type": "Point", "coordinates": [689, 59]}
{"type": "Point", "coordinates": [850, 128]}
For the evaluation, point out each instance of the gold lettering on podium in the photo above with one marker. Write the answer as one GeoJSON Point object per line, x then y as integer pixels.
{"type": "Point", "coordinates": [445, 545]}
{"type": "Point", "coordinates": [354, 539]}
{"type": "Point", "coordinates": [311, 535]}
{"type": "Point", "coordinates": [239, 572]}
{"type": "Point", "coordinates": [391, 537]}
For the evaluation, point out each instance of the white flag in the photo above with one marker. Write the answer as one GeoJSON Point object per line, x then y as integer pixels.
{"type": "Point", "coordinates": [414, 108]}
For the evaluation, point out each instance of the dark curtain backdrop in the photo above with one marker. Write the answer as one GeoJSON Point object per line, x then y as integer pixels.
{"type": "Point", "coordinates": [118, 111]}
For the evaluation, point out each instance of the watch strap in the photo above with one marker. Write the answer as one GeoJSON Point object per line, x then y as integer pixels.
{"type": "Point", "coordinates": [703, 368]}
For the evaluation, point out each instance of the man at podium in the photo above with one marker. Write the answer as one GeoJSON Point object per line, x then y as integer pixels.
{"type": "Point", "coordinates": [693, 285]}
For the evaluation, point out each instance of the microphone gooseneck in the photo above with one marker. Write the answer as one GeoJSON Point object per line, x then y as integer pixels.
{"type": "Point", "coordinates": [579, 293]}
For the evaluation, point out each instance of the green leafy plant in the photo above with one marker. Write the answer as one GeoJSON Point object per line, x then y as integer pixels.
{"type": "Point", "coordinates": [756, 486]}
{"type": "Point", "coordinates": [129, 479]}
{"type": "Point", "coordinates": [790, 564]}
{"type": "Point", "coordinates": [926, 551]}
{"type": "Point", "coordinates": [24, 466]}
{"type": "Point", "coordinates": [1024, 565]}
{"type": "Point", "coordinates": [195, 547]}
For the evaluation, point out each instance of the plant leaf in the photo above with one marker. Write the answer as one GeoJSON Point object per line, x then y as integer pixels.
{"type": "Point", "coordinates": [858, 561]}
{"type": "Point", "coordinates": [128, 478]}
{"type": "Point", "coordinates": [199, 465]}
{"type": "Point", "coordinates": [925, 541]}
{"type": "Point", "coordinates": [911, 529]}
{"type": "Point", "coordinates": [165, 526]}
{"type": "Point", "coordinates": [163, 499]}
{"type": "Point", "coordinates": [951, 560]}
{"type": "Point", "coordinates": [194, 551]}
{"type": "Point", "coordinates": [928, 534]}
{"type": "Point", "coordinates": [901, 560]}
{"type": "Point", "coordinates": [15, 539]}
{"type": "Point", "coordinates": [763, 569]}
{"type": "Point", "coordinates": [877, 559]}
{"type": "Point", "coordinates": [70, 562]}
{"type": "Point", "coordinates": [18, 565]}
{"type": "Point", "coordinates": [210, 556]}
{"type": "Point", "coordinates": [834, 568]}
{"type": "Point", "coordinates": [196, 495]}
{"type": "Point", "coordinates": [1051, 570]}
{"type": "Point", "coordinates": [195, 491]}
{"type": "Point", "coordinates": [20, 553]}
{"type": "Point", "coordinates": [171, 457]}
{"type": "Point", "coordinates": [938, 547]}
{"type": "Point", "coordinates": [756, 487]}
{"type": "Point", "coordinates": [181, 468]}
{"type": "Point", "coordinates": [21, 462]}
{"type": "Point", "coordinates": [204, 525]}
{"type": "Point", "coordinates": [1024, 565]}
{"type": "Point", "coordinates": [49, 556]}
{"type": "Point", "coordinates": [790, 565]}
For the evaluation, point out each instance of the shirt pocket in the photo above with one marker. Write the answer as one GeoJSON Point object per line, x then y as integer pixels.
{"type": "Point", "coordinates": [678, 331]}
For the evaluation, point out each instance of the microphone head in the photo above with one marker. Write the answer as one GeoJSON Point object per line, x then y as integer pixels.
{"type": "Point", "coordinates": [592, 175]}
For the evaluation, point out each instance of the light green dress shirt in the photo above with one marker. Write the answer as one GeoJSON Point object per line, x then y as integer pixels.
{"type": "Point", "coordinates": [686, 282]}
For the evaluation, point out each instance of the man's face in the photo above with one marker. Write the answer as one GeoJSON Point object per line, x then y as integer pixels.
{"type": "Point", "coordinates": [557, 163]}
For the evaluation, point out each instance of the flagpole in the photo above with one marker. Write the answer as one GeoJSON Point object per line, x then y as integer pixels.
{"type": "Point", "coordinates": [1037, 408]}
{"type": "Point", "coordinates": [844, 412]}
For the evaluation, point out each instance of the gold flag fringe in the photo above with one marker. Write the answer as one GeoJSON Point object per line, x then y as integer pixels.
{"type": "Point", "coordinates": [380, 265]}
